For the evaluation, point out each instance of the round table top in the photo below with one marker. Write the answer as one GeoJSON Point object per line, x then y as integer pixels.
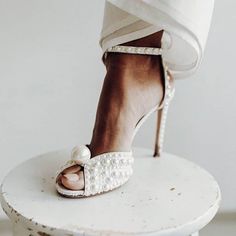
{"type": "Point", "coordinates": [165, 196]}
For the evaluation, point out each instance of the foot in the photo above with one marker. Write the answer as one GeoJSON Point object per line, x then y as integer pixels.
{"type": "Point", "coordinates": [132, 86]}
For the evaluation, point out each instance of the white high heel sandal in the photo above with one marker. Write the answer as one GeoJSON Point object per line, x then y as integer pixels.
{"type": "Point", "coordinates": [110, 170]}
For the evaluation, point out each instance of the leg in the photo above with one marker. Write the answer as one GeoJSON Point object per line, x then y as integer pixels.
{"type": "Point", "coordinates": [132, 86]}
{"type": "Point", "coordinates": [126, 75]}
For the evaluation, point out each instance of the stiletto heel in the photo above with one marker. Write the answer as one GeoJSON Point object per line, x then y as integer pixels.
{"type": "Point", "coordinates": [158, 141]}
{"type": "Point", "coordinates": [162, 112]}
{"type": "Point", "coordinates": [161, 122]}
{"type": "Point", "coordinates": [110, 170]}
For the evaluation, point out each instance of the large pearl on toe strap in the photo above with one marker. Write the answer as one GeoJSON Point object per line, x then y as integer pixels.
{"type": "Point", "coordinates": [80, 154]}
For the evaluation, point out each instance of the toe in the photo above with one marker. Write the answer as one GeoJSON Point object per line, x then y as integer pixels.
{"type": "Point", "coordinates": [73, 181]}
{"type": "Point", "coordinates": [72, 169]}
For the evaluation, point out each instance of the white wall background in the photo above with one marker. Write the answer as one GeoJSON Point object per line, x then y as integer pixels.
{"type": "Point", "coordinates": [50, 70]}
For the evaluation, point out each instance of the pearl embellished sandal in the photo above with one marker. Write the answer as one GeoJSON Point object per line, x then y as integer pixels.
{"type": "Point", "coordinates": [110, 170]}
{"type": "Point", "coordinates": [102, 173]}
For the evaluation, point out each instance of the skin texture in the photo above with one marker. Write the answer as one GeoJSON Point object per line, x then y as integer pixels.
{"type": "Point", "coordinates": [132, 86]}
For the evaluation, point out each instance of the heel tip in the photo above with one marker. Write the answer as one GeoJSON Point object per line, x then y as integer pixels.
{"type": "Point", "coordinates": [156, 154]}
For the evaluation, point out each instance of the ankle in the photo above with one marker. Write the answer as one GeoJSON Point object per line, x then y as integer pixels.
{"type": "Point", "coordinates": [129, 62]}
{"type": "Point", "coordinates": [135, 61]}
{"type": "Point", "coordinates": [110, 140]}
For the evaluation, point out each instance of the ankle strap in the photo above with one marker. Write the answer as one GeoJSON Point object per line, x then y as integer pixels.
{"type": "Point", "coordinates": [135, 50]}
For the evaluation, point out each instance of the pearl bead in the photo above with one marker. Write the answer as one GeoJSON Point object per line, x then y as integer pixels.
{"type": "Point", "coordinates": [81, 153]}
{"type": "Point", "coordinates": [93, 178]}
{"type": "Point", "coordinates": [97, 164]}
{"type": "Point", "coordinates": [115, 174]}
{"type": "Point", "coordinates": [123, 174]}
{"type": "Point", "coordinates": [106, 187]}
{"type": "Point", "coordinates": [105, 173]}
{"type": "Point", "coordinates": [94, 187]}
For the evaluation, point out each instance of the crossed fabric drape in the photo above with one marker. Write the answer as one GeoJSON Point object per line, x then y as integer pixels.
{"type": "Point", "coordinates": [185, 23]}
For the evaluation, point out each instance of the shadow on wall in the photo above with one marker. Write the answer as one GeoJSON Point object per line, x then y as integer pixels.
{"type": "Point", "coordinates": [222, 224]}
{"type": "Point", "coordinates": [5, 227]}
{"type": "Point", "coordinates": [228, 216]}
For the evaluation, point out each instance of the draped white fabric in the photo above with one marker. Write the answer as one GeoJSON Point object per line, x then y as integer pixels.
{"type": "Point", "coordinates": [185, 23]}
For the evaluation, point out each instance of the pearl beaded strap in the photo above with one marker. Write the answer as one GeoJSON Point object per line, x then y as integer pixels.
{"type": "Point", "coordinates": [107, 171]}
{"type": "Point", "coordinates": [135, 50]}
{"type": "Point", "coordinates": [102, 173]}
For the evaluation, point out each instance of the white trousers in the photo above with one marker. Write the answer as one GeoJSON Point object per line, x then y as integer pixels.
{"type": "Point", "coordinates": [185, 23]}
